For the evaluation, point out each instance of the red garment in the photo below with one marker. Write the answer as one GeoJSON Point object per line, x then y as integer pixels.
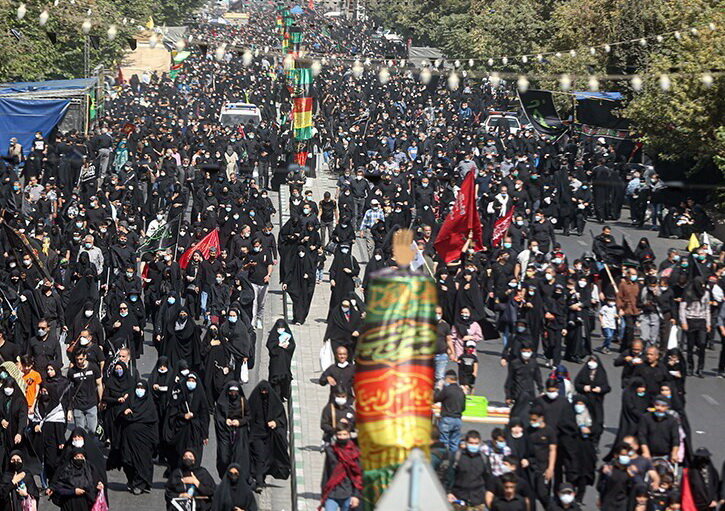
{"type": "Point", "coordinates": [203, 246]}
{"type": "Point", "coordinates": [687, 500]}
{"type": "Point", "coordinates": [347, 467]}
{"type": "Point", "coordinates": [462, 219]}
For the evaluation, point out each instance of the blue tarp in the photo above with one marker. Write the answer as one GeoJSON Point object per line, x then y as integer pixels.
{"type": "Point", "coordinates": [611, 96]}
{"type": "Point", "coordinates": [21, 118]}
{"type": "Point", "coordinates": [50, 85]}
{"type": "Point", "coordinates": [296, 10]}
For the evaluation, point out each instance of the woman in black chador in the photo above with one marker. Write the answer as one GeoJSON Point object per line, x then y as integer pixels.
{"type": "Point", "coordinates": [281, 346]}
{"type": "Point", "coordinates": [231, 424]}
{"type": "Point", "coordinates": [268, 431]}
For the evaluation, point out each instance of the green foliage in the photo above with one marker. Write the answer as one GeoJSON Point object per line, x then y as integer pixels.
{"type": "Point", "coordinates": [684, 124]}
{"type": "Point", "coordinates": [34, 57]}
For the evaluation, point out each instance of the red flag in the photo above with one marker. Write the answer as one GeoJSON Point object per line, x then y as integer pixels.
{"type": "Point", "coordinates": [462, 219]}
{"type": "Point", "coordinates": [687, 500]}
{"type": "Point", "coordinates": [500, 226]}
{"type": "Point", "coordinates": [203, 246]}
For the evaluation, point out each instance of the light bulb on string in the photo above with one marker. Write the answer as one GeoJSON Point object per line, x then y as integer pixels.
{"type": "Point", "coordinates": [572, 53]}
{"type": "Point", "coordinates": [124, 21]}
{"type": "Point", "coordinates": [706, 79]}
{"type": "Point", "coordinates": [246, 58]}
{"type": "Point", "coordinates": [464, 73]}
{"type": "Point", "coordinates": [402, 62]}
{"type": "Point", "coordinates": [665, 82]}
{"type": "Point", "coordinates": [220, 51]}
{"type": "Point", "coordinates": [677, 35]}
{"type": "Point", "coordinates": [540, 57]}
{"type": "Point", "coordinates": [505, 60]}
{"type": "Point", "coordinates": [522, 84]}
{"type": "Point", "coordinates": [607, 48]}
{"type": "Point", "coordinates": [557, 54]}
{"type": "Point", "coordinates": [391, 63]}
{"type": "Point", "coordinates": [316, 67]}
{"type": "Point", "coordinates": [72, 2]}
{"type": "Point", "coordinates": [256, 53]}
{"type": "Point", "coordinates": [288, 62]}
{"type": "Point", "coordinates": [643, 42]}
{"type": "Point", "coordinates": [659, 38]}
{"type": "Point", "coordinates": [89, 13]}
{"type": "Point", "coordinates": [55, 3]}
{"type": "Point", "coordinates": [489, 62]}
{"type": "Point", "coordinates": [592, 50]}
{"type": "Point", "coordinates": [457, 64]}
{"type": "Point", "coordinates": [21, 11]}
{"type": "Point", "coordinates": [593, 83]}
{"type": "Point", "coordinates": [384, 75]}
{"type": "Point", "coordinates": [636, 83]}
{"type": "Point", "coordinates": [694, 31]}
{"type": "Point", "coordinates": [86, 26]}
{"type": "Point", "coordinates": [43, 18]}
{"type": "Point", "coordinates": [357, 69]}
{"type": "Point", "coordinates": [564, 82]}
{"type": "Point", "coordinates": [153, 40]}
{"type": "Point", "coordinates": [425, 76]}
{"type": "Point", "coordinates": [712, 26]}
{"type": "Point", "coordinates": [525, 59]}
{"type": "Point", "coordinates": [495, 79]}
{"type": "Point", "coordinates": [112, 32]}
{"type": "Point", "coordinates": [453, 81]}
{"type": "Point", "coordinates": [470, 62]}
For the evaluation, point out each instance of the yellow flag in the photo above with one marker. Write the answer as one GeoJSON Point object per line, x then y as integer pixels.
{"type": "Point", "coordinates": [150, 24]}
{"type": "Point", "coordinates": [693, 243]}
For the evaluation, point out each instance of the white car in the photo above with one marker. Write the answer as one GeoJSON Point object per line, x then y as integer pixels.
{"type": "Point", "coordinates": [233, 114]}
{"type": "Point", "coordinates": [494, 120]}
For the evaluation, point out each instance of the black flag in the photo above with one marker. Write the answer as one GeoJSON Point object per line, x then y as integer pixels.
{"type": "Point", "coordinates": [538, 105]}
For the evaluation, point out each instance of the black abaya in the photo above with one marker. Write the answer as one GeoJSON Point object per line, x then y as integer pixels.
{"type": "Point", "coordinates": [139, 438]}
{"type": "Point", "coordinates": [281, 347]}
{"type": "Point", "coordinates": [232, 494]}
{"type": "Point", "coordinates": [269, 447]}
{"type": "Point", "coordinates": [232, 439]}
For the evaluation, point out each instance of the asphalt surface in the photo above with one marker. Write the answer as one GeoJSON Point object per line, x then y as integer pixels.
{"type": "Point", "coordinates": [705, 397]}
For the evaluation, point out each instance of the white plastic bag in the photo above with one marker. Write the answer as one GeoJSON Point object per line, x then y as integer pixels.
{"type": "Point", "coordinates": [673, 340]}
{"type": "Point", "coordinates": [326, 356]}
{"type": "Point", "coordinates": [244, 374]}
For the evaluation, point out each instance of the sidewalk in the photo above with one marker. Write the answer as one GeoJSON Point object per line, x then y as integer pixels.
{"type": "Point", "coordinates": [308, 397]}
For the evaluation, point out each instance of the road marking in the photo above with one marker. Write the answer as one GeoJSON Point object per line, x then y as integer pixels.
{"type": "Point", "coordinates": [710, 400]}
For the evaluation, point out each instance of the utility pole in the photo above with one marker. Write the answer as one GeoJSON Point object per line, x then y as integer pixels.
{"type": "Point", "coordinates": [86, 56]}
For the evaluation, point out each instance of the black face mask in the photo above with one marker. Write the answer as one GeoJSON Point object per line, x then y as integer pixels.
{"type": "Point", "coordinates": [233, 395]}
{"type": "Point", "coordinates": [234, 478]}
{"type": "Point", "coordinates": [78, 462]}
{"type": "Point", "coordinates": [17, 466]}
{"type": "Point", "coordinates": [187, 463]}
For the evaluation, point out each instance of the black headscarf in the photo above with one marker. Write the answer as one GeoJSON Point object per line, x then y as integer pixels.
{"type": "Point", "coordinates": [143, 408]}
{"type": "Point", "coordinates": [230, 494]}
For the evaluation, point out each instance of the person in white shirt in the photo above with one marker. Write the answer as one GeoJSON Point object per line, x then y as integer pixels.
{"type": "Point", "coordinates": [608, 318]}
{"type": "Point", "coordinates": [94, 253]}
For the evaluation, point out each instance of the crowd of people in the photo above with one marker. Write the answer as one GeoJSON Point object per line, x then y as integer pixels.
{"type": "Point", "coordinates": [102, 264]}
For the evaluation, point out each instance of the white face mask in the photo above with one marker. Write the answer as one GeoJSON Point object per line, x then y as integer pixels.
{"type": "Point", "coordinates": [78, 443]}
{"type": "Point", "coordinates": [8, 391]}
{"type": "Point", "coordinates": [85, 341]}
{"type": "Point", "coordinates": [566, 498]}
{"type": "Point", "coordinates": [88, 314]}
{"type": "Point", "coordinates": [552, 395]}
{"type": "Point", "coordinates": [592, 365]}
{"type": "Point", "coordinates": [579, 408]}
{"type": "Point", "coordinates": [340, 401]}
{"type": "Point", "coordinates": [526, 354]}
{"type": "Point", "coordinates": [343, 365]}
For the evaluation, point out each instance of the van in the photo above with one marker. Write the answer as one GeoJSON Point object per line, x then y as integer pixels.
{"type": "Point", "coordinates": [233, 114]}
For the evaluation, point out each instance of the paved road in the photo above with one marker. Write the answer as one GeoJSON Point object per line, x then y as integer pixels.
{"type": "Point", "coordinates": [705, 397]}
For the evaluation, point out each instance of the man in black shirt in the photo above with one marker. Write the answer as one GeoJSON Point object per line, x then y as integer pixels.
{"type": "Point", "coordinates": [659, 434]}
{"type": "Point", "coordinates": [260, 269]}
{"type": "Point", "coordinates": [86, 393]}
{"type": "Point", "coordinates": [542, 443]}
{"type": "Point", "coordinates": [522, 382]}
{"type": "Point", "coordinates": [339, 375]}
{"type": "Point", "coordinates": [359, 188]}
{"type": "Point", "coordinates": [509, 500]}
{"type": "Point", "coordinates": [453, 402]}
{"type": "Point", "coordinates": [468, 474]}
{"type": "Point", "coordinates": [328, 217]}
